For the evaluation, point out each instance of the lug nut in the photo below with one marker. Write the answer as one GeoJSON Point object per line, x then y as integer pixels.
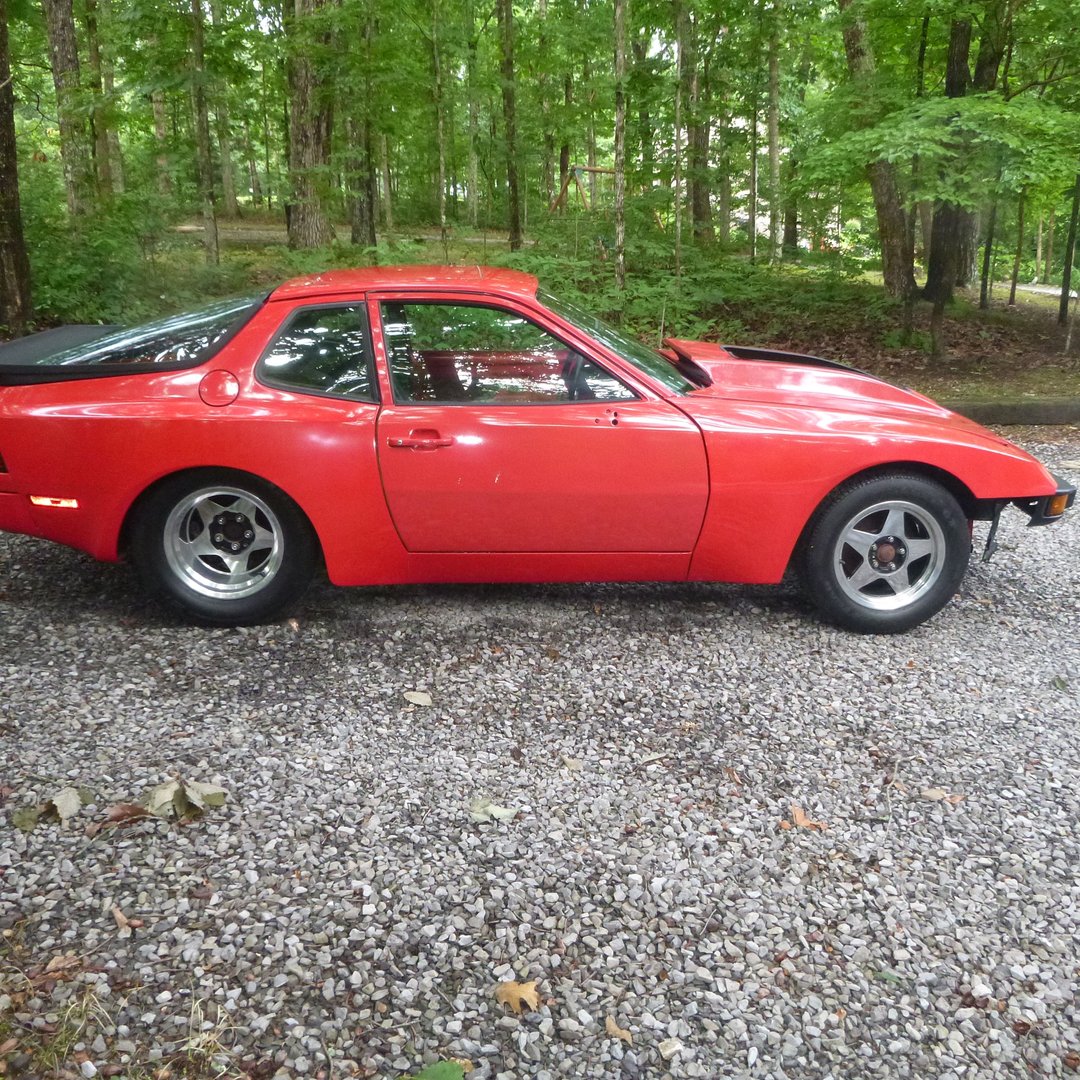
{"type": "Point", "coordinates": [248, 534]}
{"type": "Point", "coordinates": [235, 547]}
{"type": "Point", "coordinates": [218, 538]}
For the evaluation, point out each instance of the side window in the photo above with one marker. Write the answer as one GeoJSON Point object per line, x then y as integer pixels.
{"type": "Point", "coordinates": [322, 350]}
{"type": "Point", "coordinates": [471, 353]}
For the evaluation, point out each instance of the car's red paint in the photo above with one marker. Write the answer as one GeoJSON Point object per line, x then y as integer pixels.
{"type": "Point", "coordinates": [714, 484]}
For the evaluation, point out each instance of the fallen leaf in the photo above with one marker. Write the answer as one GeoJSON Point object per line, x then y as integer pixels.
{"type": "Point", "coordinates": [65, 804]}
{"type": "Point", "coordinates": [482, 809]}
{"type": "Point", "coordinates": [26, 817]}
{"type": "Point", "coordinates": [954, 800]}
{"type": "Point", "coordinates": [127, 811]}
{"type": "Point", "coordinates": [417, 697]}
{"type": "Point", "coordinates": [203, 795]}
{"type": "Point", "coordinates": [803, 822]}
{"type": "Point", "coordinates": [934, 794]}
{"type": "Point", "coordinates": [841, 1014]}
{"type": "Point", "coordinates": [785, 824]}
{"type": "Point", "coordinates": [517, 994]}
{"type": "Point", "coordinates": [62, 962]}
{"type": "Point", "coordinates": [617, 1032]}
{"type": "Point", "coordinates": [1072, 1061]}
{"type": "Point", "coordinates": [120, 918]}
{"type": "Point", "coordinates": [1022, 1027]}
{"type": "Point", "coordinates": [442, 1070]}
{"type": "Point", "coordinates": [1059, 682]}
{"type": "Point", "coordinates": [8, 1045]}
{"type": "Point", "coordinates": [183, 798]}
{"type": "Point", "coordinates": [572, 763]}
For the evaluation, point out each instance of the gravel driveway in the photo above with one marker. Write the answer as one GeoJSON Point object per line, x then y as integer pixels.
{"type": "Point", "coordinates": [343, 914]}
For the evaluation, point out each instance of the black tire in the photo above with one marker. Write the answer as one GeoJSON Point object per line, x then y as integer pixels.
{"type": "Point", "coordinates": [224, 548]}
{"type": "Point", "coordinates": [884, 553]}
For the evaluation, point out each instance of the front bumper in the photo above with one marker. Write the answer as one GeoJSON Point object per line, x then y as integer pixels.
{"type": "Point", "coordinates": [1046, 509]}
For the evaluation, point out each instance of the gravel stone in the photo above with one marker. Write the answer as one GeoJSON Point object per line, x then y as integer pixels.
{"type": "Point", "coordinates": [343, 912]}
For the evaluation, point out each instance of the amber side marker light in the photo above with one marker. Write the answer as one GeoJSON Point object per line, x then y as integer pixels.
{"type": "Point", "coordinates": [1056, 506]}
{"type": "Point", "coordinates": [58, 504]}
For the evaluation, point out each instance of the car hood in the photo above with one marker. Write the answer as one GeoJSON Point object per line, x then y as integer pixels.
{"type": "Point", "coordinates": [767, 376]}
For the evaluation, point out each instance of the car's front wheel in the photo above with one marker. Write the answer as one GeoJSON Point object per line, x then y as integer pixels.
{"type": "Point", "coordinates": [885, 553]}
{"type": "Point", "coordinates": [225, 548]}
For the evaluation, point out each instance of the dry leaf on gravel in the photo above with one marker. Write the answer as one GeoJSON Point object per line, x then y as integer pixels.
{"type": "Point", "coordinates": [183, 798]}
{"type": "Point", "coordinates": [417, 697]}
{"type": "Point", "coordinates": [517, 994]}
{"type": "Point", "coordinates": [65, 804]}
{"type": "Point", "coordinates": [801, 821]}
{"type": "Point", "coordinates": [481, 810]}
{"type": "Point", "coordinates": [616, 1032]}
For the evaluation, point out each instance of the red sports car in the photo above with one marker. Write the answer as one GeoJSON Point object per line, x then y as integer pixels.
{"type": "Point", "coordinates": [422, 424]}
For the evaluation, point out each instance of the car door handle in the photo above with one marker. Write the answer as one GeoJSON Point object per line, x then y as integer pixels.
{"type": "Point", "coordinates": [421, 440]}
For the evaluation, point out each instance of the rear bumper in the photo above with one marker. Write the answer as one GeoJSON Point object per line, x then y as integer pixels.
{"type": "Point", "coordinates": [1046, 509]}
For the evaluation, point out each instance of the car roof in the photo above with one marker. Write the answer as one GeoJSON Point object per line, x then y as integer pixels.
{"type": "Point", "coordinates": [486, 279]}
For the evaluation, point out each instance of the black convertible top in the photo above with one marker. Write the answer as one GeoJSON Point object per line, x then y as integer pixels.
{"type": "Point", "coordinates": [34, 348]}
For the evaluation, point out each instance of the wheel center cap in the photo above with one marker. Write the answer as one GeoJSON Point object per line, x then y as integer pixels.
{"type": "Point", "coordinates": [232, 532]}
{"type": "Point", "coordinates": [887, 554]}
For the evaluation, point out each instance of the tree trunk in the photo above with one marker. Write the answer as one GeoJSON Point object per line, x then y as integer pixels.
{"type": "Point", "coordinates": [1038, 247]}
{"type": "Point", "coordinates": [252, 165]}
{"type": "Point", "coordinates": [564, 150]}
{"type": "Point", "coordinates": [505, 9]}
{"type": "Point", "coordinates": [547, 161]}
{"type": "Point", "coordinates": [99, 127]}
{"type": "Point", "coordinates": [753, 195]}
{"type": "Point", "coordinates": [986, 281]}
{"type": "Point", "coordinates": [774, 138]}
{"type": "Point", "coordinates": [1048, 262]}
{"type": "Point", "coordinates": [387, 193]}
{"type": "Point", "coordinates": [223, 128]}
{"type": "Point", "coordinates": [440, 127]}
{"type": "Point", "coordinates": [682, 35]}
{"type": "Point", "coordinates": [1070, 254]}
{"type": "Point", "coordinates": [1019, 250]}
{"type": "Point", "coordinates": [310, 122]}
{"type": "Point", "coordinates": [699, 133]}
{"type": "Point", "coordinates": [951, 222]}
{"type": "Point", "coordinates": [620, 143]}
{"type": "Point", "coordinates": [790, 245]}
{"type": "Point", "coordinates": [640, 48]}
{"type": "Point", "coordinates": [202, 134]}
{"type": "Point", "coordinates": [896, 258]}
{"type": "Point", "coordinates": [161, 137]}
{"type": "Point", "coordinates": [590, 130]}
{"type": "Point", "coordinates": [15, 304]}
{"type": "Point", "coordinates": [723, 201]}
{"type": "Point", "coordinates": [473, 165]}
{"type": "Point", "coordinates": [75, 153]}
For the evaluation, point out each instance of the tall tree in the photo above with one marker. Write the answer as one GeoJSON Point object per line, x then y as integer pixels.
{"type": "Point", "coordinates": [310, 120]}
{"type": "Point", "coordinates": [98, 116]}
{"type": "Point", "coordinates": [775, 195]}
{"type": "Point", "coordinates": [620, 143]}
{"type": "Point", "coordinates": [896, 256]}
{"type": "Point", "coordinates": [15, 307]}
{"type": "Point", "coordinates": [75, 151]}
{"type": "Point", "coordinates": [505, 15]}
{"type": "Point", "coordinates": [201, 116]}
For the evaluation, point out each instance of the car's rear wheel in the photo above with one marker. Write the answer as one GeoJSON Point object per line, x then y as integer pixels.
{"type": "Point", "coordinates": [885, 553]}
{"type": "Point", "coordinates": [225, 548]}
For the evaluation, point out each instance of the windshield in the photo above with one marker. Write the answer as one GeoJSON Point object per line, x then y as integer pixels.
{"type": "Point", "coordinates": [175, 341]}
{"type": "Point", "coordinates": [625, 346]}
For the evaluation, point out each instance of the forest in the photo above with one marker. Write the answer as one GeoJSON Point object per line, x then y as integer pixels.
{"type": "Point", "coordinates": [706, 169]}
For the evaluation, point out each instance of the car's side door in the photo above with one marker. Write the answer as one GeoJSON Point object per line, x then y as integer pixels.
{"type": "Point", "coordinates": [501, 437]}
